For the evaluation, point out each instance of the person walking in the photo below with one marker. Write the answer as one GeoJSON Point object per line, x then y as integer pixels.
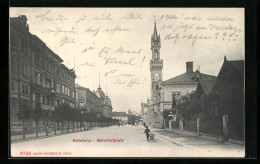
{"type": "Point", "coordinates": [144, 124]}
{"type": "Point", "coordinates": [147, 131]}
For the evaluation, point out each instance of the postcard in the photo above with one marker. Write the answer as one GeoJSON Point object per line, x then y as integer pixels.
{"type": "Point", "coordinates": [127, 82]}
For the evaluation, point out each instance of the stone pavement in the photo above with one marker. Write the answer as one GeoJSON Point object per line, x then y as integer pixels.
{"type": "Point", "coordinates": [193, 141]}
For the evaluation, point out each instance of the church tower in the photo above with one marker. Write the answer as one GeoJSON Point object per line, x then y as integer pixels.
{"type": "Point", "coordinates": [156, 66]}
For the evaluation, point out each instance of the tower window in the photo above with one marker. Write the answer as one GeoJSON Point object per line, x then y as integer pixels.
{"type": "Point", "coordinates": [156, 54]}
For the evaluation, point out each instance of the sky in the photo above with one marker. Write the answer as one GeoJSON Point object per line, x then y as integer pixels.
{"type": "Point", "coordinates": [114, 44]}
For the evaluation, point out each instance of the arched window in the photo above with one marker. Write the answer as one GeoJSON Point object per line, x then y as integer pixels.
{"type": "Point", "coordinates": [156, 54]}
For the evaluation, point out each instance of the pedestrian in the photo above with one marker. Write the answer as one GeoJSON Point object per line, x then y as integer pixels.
{"type": "Point", "coordinates": [48, 128]}
{"type": "Point", "coordinates": [144, 124]}
{"type": "Point", "coordinates": [147, 131]}
{"type": "Point", "coordinates": [118, 124]}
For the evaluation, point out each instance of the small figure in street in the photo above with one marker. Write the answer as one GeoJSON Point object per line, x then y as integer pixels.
{"type": "Point", "coordinates": [118, 124]}
{"type": "Point", "coordinates": [144, 124]}
{"type": "Point", "coordinates": [147, 131]}
{"type": "Point", "coordinates": [48, 128]}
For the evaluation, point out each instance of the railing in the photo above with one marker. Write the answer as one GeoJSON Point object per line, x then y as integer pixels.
{"type": "Point", "coordinates": [39, 130]}
{"type": "Point", "coordinates": [230, 129]}
{"type": "Point", "coordinates": [211, 127]}
{"type": "Point", "coordinates": [190, 125]}
{"type": "Point", "coordinates": [236, 130]}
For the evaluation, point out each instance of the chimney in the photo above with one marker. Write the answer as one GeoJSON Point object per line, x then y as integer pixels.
{"type": "Point", "coordinates": [23, 20]}
{"type": "Point", "coordinates": [189, 67]}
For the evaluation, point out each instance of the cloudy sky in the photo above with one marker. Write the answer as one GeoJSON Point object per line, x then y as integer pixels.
{"type": "Point", "coordinates": [116, 43]}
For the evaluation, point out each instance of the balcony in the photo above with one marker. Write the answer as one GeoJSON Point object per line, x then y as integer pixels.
{"type": "Point", "coordinates": [47, 107]}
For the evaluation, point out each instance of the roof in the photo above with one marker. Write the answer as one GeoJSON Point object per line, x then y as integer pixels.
{"type": "Point", "coordinates": [230, 77]}
{"type": "Point", "coordinates": [155, 35]}
{"type": "Point", "coordinates": [238, 64]}
{"type": "Point", "coordinates": [86, 89]}
{"type": "Point", "coordinates": [119, 114]}
{"type": "Point", "coordinates": [70, 71]}
{"type": "Point", "coordinates": [188, 77]}
{"type": "Point", "coordinates": [207, 85]}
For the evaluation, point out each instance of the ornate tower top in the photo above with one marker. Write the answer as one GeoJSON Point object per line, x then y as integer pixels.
{"type": "Point", "coordinates": [155, 36]}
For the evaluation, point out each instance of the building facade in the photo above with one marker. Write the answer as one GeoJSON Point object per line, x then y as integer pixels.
{"type": "Point", "coordinates": [106, 104]}
{"type": "Point", "coordinates": [37, 74]}
{"type": "Point", "coordinates": [121, 116]}
{"type": "Point", "coordinates": [182, 85]}
{"type": "Point", "coordinates": [163, 93]}
{"type": "Point", "coordinates": [87, 100]}
{"type": "Point", "coordinates": [153, 116]}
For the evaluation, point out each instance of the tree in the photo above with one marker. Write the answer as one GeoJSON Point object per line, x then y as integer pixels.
{"type": "Point", "coordinates": [60, 114]}
{"type": "Point", "coordinates": [38, 114]}
{"type": "Point", "coordinates": [24, 113]}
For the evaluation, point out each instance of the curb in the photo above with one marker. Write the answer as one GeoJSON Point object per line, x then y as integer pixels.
{"type": "Point", "coordinates": [168, 139]}
{"type": "Point", "coordinates": [218, 139]}
{"type": "Point", "coordinates": [164, 137]}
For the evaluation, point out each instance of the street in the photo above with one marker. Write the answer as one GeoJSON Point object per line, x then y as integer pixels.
{"type": "Point", "coordinates": [133, 144]}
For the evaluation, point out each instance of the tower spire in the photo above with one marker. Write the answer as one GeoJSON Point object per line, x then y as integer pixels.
{"type": "Point", "coordinates": [155, 35]}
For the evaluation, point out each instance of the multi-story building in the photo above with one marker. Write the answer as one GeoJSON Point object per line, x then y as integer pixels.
{"type": "Point", "coordinates": [95, 101]}
{"type": "Point", "coordinates": [181, 85]}
{"type": "Point", "coordinates": [121, 116]}
{"type": "Point", "coordinates": [163, 92]}
{"type": "Point", "coordinates": [87, 100]}
{"type": "Point", "coordinates": [37, 74]}
{"type": "Point", "coordinates": [106, 104]}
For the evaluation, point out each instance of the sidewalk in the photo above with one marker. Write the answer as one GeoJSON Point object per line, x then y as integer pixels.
{"type": "Point", "coordinates": [182, 138]}
{"type": "Point", "coordinates": [32, 136]}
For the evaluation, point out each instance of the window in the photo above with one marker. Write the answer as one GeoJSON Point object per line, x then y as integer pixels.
{"type": "Point", "coordinates": [25, 89]}
{"type": "Point", "coordinates": [38, 78]}
{"type": "Point", "coordinates": [156, 54]}
{"type": "Point", "coordinates": [44, 99]}
{"type": "Point", "coordinates": [43, 82]}
{"type": "Point", "coordinates": [48, 85]}
{"type": "Point", "coordinates": [66, 91]}
{"type": "Point", "coordinates": [51, 83]}
{"type": "Point", "coordinates": [37, 98]}
{"type": "Point", "coordinates": [176, 93]}
{"type": "Point", "coordinates": [58, 88]}
{"type": "Point", "coordinates": [25, 70]}
{"type": "Point", "coordinates": [36, 58]}
{"type": "Point", "coordinates": [24, 46]}
{"type": "Point", "coordinates": [58, 74]}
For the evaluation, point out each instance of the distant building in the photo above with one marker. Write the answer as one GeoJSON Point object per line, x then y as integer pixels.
{"type": "Point", "coordinates": [37, 74]}
{"type": "Point", "coordinates": [121, 116]}
{"type": "Point", "coordinates": [87, 100]}
{"type": "Point", "coordinates": [106, 104]}
{"type": "Point", "coordinates": [184, 84]}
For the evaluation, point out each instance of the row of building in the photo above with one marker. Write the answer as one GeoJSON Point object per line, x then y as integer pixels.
{"type": "Point", "coordinates": [96, 101]}
{"type": "Point", "coordinates": [230, 81]}
{"type": "Point", "coordinates": [38, 75]}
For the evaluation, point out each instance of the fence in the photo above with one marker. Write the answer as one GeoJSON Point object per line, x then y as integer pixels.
{"type": "Point", "coordinates": [211, 127]}
{"type": "Point", "coordinates": [218, 127]}
{"type": "Point", "coordinates": [236, 130]}
{"type": "Point", "coordinates": [40, 129]}
{"type": "Point", "coordinates": [190, 124]}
